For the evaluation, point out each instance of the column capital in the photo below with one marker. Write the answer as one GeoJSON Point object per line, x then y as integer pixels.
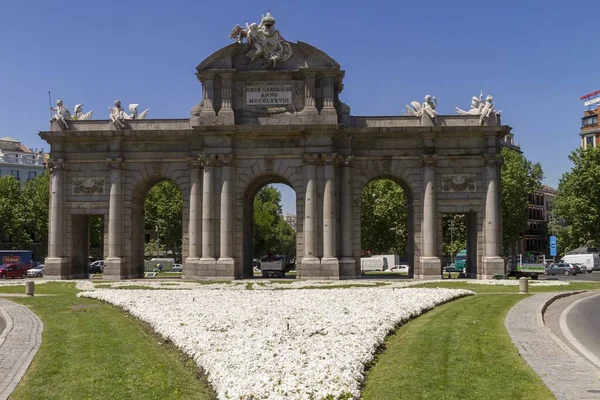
{"type": "Point", "coordinates": [208, 160]}
{"type": "Point", "coordinates": [330, 159]}
{"type": "Point", "coordinates": [345, 160]}
{"type": "Point", "coordinates": [429, 160]}
{"type": "Point", "coordinates": [311, 158]}
{"type": "Point", "coordinates": [493, 159]}
{"type": "Point", "coordinates": [226, 160]}
{"type": "Point", "coordinates": [115, 163]}
{"type": "Point", "coordinates": [56, 164]}
{"type": "Point", "coordinates": [193, 162]}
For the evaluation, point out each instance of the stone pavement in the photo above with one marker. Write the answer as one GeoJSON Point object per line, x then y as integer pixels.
{"type": "Point", "coordinates": [19, 342]}
{"type": "Point", "coordinates": [567, 374]}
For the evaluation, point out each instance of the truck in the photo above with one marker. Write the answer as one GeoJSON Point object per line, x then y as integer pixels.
{"type": "Point", "coordinates": [529, 266]}
{"type": "Point", "coordinates": [22, 257]}
{"type": "Point", "coordinates": [374, 263]}
{"type": "Point", "coordinates": [460, 261]}
{"type": "Point", "coordinates": [273, 265]}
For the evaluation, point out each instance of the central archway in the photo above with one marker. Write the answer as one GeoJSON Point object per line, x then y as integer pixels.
{"type": "Point", "coordinates": [248, 220]}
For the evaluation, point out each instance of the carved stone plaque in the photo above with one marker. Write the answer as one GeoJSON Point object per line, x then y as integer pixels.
{"type": "Point", "coordinates": [88, 186]}
{"type": "Point", "coordinates": [269, 94]}
{"type": "Point", "coordinates": [459, 183]}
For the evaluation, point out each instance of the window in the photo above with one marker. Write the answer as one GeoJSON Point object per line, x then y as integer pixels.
{"type": "Point", "coordinates": [589, 141]}
{"type": "Point", "coordinates": [15, 174]}
{"type": "Point", "coordinates": [589, 121]}
{"type": "Point", "coordinates": [31, 175]}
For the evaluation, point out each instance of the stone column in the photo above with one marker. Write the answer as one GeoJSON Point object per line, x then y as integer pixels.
{"type": "Point", "coordinates": [195, 222]}
{"type": "Point", "coordinates": [208, 234]}
{"type": "Point", "coordinates": [227, 211]}
{"type": "Point", "coordinates": [430, 263]}
{"type": "Point", "coordinates": [492, 262]}
{"type": "Point", "coordinates": [330, 266]}
{"type": "Point", "coordinates": [309, 94]}
{"type": "Point", "coordinates": [329, 220]}
{"type": "Point", "coordinates": [56, 262]}
{"type": "Point", "coordinates": [207, 110]}
{"type": "Point", "coordinates": [310, 261]}
{"type": "Point", "coordinates": [226, 112]}
{"type": "Point", "coordinates": [347, 262]}
{"type": "Point", "coordinates": [114, 263]}
{"type": "Point", "coordinates": [328, 96]}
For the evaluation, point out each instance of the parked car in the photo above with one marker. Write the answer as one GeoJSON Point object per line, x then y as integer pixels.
{"type": "Point", "coordinates": [97, 267]}
{"type": "Point", "coordinates": [36, 272]}
{"type": "Point", "coordinates": [177, 268]}
{"type": "Point", "coordinates": [12, 271]}
{"type": "Point", "coordinates": [578, 267]}
{"type": "Point", "coordinates": [450, 268]}
{"type": "Point", "coordinates": [561, 268]}
{"type": "Point", "coordinates": [398, 268]}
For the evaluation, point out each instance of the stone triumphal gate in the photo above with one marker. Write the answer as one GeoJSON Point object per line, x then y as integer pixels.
{"type": "Point", "coordinates": [272, 118]}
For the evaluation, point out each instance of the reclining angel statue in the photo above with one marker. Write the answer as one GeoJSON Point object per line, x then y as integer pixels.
{"type": "Point", "coordinates": [485, 109]}
{"type": "Point", "coordinates": [79, 115]}
{"type": "Point", "coordinates": [427, 108]}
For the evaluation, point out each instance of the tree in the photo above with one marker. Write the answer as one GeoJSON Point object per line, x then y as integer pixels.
{"type": "Point", "coordinates": [15, 221]}
{"type": "Point", "coordinates": [577, 203]}
{"type": "Point", "coordinates": [520, 177]}
{"type": "Point", "coordinates": [272, 234]}
{"type": "Point", "coordinates": [36, 201]}
{"type": "Point", "coordinates": [455, 233]}
{"type": "Point", "coordinates": [163, 206]}
{"type": "Point", "coordinates": [383, 218]}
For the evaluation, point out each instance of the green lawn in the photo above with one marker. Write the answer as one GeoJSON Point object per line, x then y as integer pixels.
{"type": "Point", "coordinates": [92, 350]}
{"type": "Point", "coordinates": [457, 351]}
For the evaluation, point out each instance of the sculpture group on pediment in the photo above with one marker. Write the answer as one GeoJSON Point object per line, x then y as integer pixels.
{"type": "Point", "coordinates": [485, 109]}
{"type": "Point", "coordinates": [264, 41]}
{"type": "Point", "coordinates": [428, 108]}
{"type": "Point", "coordinates": [118, 116]}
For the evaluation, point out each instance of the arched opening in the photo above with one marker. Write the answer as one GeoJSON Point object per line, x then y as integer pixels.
{"type": "Point", "coordinates": [157, 226]}
{"type": "Point", "coordinates": [269, 229]}
{"type": "Point", "coordinates": [459, 245]}
{"type": "Point", "coordinates": [88, 232]}
{"type": "Point", "coordinates": [387, 239]}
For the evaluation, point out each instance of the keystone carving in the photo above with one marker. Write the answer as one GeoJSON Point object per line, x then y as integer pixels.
{"type": "Point", "coordinates": [269, 163]}
{"type": "Point", "coordinates": [157, 167]}
{"type": "Point", "coordinates": [386, 164]}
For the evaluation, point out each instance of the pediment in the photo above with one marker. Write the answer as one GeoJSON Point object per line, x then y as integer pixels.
{"type": "Point", "coordinates": [233, 57]}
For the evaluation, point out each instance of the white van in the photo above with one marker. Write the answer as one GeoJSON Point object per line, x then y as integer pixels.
{"type": "Point", "coordinates": [584, 260]}
{"type": "Point", "coordinates": [375, 263]}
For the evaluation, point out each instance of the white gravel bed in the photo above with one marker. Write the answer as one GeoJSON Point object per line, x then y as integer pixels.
{"type": "Point", "coordinates": [279, 344]}
{"type": "Point", "coordinates": [490, 282]}
{"type": "Point", "coordinates": [19, 282]}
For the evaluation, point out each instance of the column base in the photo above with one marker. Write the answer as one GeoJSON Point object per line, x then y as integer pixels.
{"type": "Point", "coordinates": [190, 268]}
{"type": "Point", "coordinates": [348, 268]}
{"type": "Point", "coordinates": [308, 268]}
{"type": "Point", "coordinates": [314, 268]}
{"type": "Point", "coordinates": [211, 269]}
{"type": "Point", "coordinates": [431, 268]}
{"type": "Point", "coordinates": [56, 268]}
{"type": "Point", "coordinates": [117, 268]}
{"type": "Point", "coordinates": [492, 266]}
{"type": "Point", "coordinates": [226, 267]}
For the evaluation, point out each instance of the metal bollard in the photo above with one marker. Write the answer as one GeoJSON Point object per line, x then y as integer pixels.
{"type": "Point", "coordinates": [29, 288]}
{"type": "Point", "coordinates": [523, 285]}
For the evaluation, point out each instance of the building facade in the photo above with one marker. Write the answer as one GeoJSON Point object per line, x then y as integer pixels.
{"type": "Point", "coordinates": [20, 162]}
{"type": "Point", "coordinates": [590, 129]}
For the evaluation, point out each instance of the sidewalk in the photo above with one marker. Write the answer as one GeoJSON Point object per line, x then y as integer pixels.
{"type": "Point", "coordinates": [566, 374]}
{"type": "Point", "coordinates": [19, 342]}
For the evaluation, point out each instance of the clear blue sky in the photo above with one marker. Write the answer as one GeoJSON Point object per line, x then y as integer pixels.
{"type": "Point", "coordinates": [535, 57]}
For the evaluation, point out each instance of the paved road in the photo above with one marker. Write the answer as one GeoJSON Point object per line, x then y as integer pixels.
{"type": "Point", "coordinates": [576, 321]}
{"type": "Point", "coordinates": [2, 324]}
{"type": "Point", "coordinates": [593, 277]}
